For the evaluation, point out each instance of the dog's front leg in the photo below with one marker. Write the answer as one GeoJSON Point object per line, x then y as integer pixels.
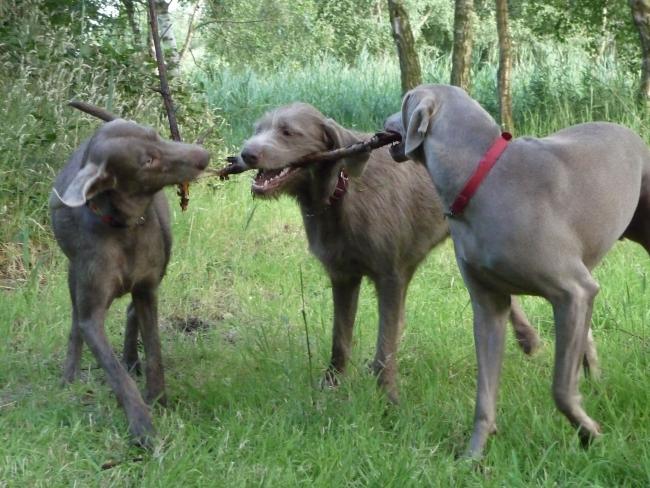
{"type": "Point", "coordinates": [572, 310]}
{"type": "Point", "coordinates": [345, 294]}
{"type": "Point", "coordinates": [391, 292]}
{"type": "Point", "coordinates": [490, 314]}
{"type": "Point", "coordinates": [91, 323]}
{"type": "Point", "coordinates": [146, 309]}
{"type": "Point", "coordinates": [75, 340]}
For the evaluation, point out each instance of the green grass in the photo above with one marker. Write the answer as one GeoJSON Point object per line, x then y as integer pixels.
{"type": "Point", "coordinates": [245, 408]}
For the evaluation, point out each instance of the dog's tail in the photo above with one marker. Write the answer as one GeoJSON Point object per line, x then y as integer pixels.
{"type": "Point", "coordinates": [98, 112]}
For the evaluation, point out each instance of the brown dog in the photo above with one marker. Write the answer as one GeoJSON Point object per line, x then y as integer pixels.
{"type": "Point", "coordinates": [364, 216]}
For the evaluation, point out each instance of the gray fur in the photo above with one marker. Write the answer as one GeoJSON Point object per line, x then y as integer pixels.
{"type": "Point", "coordinates": [382, 228]}
{"type": "Point", "coordinates": [544, 217]}
{"type": "Point", "coordinates": [121, 170]}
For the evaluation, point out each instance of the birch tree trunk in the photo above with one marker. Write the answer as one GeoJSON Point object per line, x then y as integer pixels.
{"type": "Point", "coordinates": [462, 52]}
{"type": "Point", "coordinates": [165, 25]}
{"type": "Point", "coordinates": [641, 16]}
{"type": "Point", "coordinates": [409, 63]}
{"type": "Point", "coordinates": [133, 24]}
{"type": "Point", "coordinates": [505, 66]}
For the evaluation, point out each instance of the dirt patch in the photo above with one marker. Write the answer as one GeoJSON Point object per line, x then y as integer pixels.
{"type": "Point", "coordinates": [189, 325]}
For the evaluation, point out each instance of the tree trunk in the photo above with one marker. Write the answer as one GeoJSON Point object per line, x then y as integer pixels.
{"type": "Point", "coordinates": [167, 34]}
{"type": "Point", "coordinates": [505, 66]}
{"type": "Point", "coordinates": [641, 16]}
{"type": "Point", "coordinates": [135, 28]}
{"type": "Point", "coordinates": [462, 53]}
{"type": "Point", "coordinates": [409, 63]}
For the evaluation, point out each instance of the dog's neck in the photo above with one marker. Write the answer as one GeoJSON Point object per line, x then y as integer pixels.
{"type": "Point", "coordinates": [119, 210]}
{"type": "Point", "coordinates": [453, 149]}
{"type": "Point", "coordinates": [323, 193]}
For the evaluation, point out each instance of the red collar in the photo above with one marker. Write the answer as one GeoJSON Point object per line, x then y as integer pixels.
{"type": "Point", "coordinates": [484, 166]}
{"type": "Point", "coordinates": [341, 187]}
{"type": "Point", "coordinates": [108, 219]}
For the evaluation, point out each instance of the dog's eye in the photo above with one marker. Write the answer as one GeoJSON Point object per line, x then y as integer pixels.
{"type": "Point", "coordinates": [287, 132]}
{"type": "Point", "coordinates": [148, 162]}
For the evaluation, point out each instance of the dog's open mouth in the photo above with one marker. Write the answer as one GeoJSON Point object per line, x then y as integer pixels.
{"type": "Point", "coordinates": [397, 152]}
{"type": "Point", "coordinates": [269, 181]}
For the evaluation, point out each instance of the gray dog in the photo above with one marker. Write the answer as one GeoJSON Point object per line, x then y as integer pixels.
{"type": "Point", "coordinates": [541, 220]}
{"type": "Point", "coordinates": [111, 220]}
{"type": "Point", "coordinates": [364, 216]}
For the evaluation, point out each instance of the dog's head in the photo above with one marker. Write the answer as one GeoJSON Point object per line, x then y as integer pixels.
{"type": "Point", "coordinates": [133, 159]}
{"type": "Point", "coordinates": [289, 133]}
{"type": "Point", "coordinates": [412, 123]}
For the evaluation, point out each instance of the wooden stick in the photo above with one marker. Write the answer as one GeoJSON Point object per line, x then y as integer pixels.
{"type": "Point", "coordinates": [183, 188]}
{"type": "Point", "coordinates": [236, 164]}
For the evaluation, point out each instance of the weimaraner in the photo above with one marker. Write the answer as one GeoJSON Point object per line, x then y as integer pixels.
{"type": "Point", "coordinates": [540, 221]}
{"type": "Point", "coordinates": [364, 216]}
{"type": "Point", "coordinates": [111, 220]}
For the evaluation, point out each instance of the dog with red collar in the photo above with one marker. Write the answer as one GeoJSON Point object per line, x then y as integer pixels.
{"type": "Point", "coordinates": [111, 219]}
{"type": "Point", "coordinates": [529, 216]}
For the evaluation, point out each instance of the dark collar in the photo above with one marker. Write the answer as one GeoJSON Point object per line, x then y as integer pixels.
{"type": "Point", "coordinates": [109, 217]}
{"type": "Point", "coordinates": [484, 166]}
{"type": "Point", "coordinates": [341, 188]}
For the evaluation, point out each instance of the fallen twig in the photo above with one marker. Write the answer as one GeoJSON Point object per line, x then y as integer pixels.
{"type": "Point", "coordinates": [237, 165]}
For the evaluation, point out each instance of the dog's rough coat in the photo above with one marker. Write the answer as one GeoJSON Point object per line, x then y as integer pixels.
{"type": "Point", "coordinates": [382, 228]}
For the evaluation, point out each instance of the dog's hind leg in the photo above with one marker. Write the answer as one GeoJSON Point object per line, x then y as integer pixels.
{"type": "Point", "coordinates": [130, 351]}
{"type": "Point", "coordinates": [345, 294]}
{"type": "Point", "coordinates": [146, 309]}
{"type": "Point", "coordinates": [391, 294]}
{"type": "Point", "coordinates": [572, 308]}
{"type": "Point", "coordinates": [527, 337]}
{"type": "Point", "coordinates": [639, 228]}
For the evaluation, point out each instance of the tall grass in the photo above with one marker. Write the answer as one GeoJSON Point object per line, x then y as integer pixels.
{"type": "Point", "coordinates": [552, 88]}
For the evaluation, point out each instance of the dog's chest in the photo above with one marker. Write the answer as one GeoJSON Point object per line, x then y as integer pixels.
{"type": "Point", "coordinates": [336, 245]}
{"type": "Point", "coordinates": [140, 261]}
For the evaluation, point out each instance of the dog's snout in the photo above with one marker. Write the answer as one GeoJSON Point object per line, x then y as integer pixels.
{"type": "Point", "coordinates": [250, 157]}
{"type": "Point", "coordinates": [394, 123]}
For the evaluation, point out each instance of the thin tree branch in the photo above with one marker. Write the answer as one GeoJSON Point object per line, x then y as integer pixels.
{"type": "Point", "coordinates": [183, 188]}
{"type": "Point", "coordinates": [216, 21]}
{"type": "Point", "coordinates": [190, 31]}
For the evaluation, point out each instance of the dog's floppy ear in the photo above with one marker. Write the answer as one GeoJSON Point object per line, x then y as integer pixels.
{"type": "Point", "coordinates": [90, 180]}
{"type": "Point", "coordinates": [337, 137]}
{"type": "Point", "coordinates": [418, 123]}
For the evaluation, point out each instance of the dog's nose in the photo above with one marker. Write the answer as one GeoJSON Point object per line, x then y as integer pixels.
{"type": "Point", "coordinates": [394, 123]}
{"type": "Point", "coordinates": [249, 157]}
